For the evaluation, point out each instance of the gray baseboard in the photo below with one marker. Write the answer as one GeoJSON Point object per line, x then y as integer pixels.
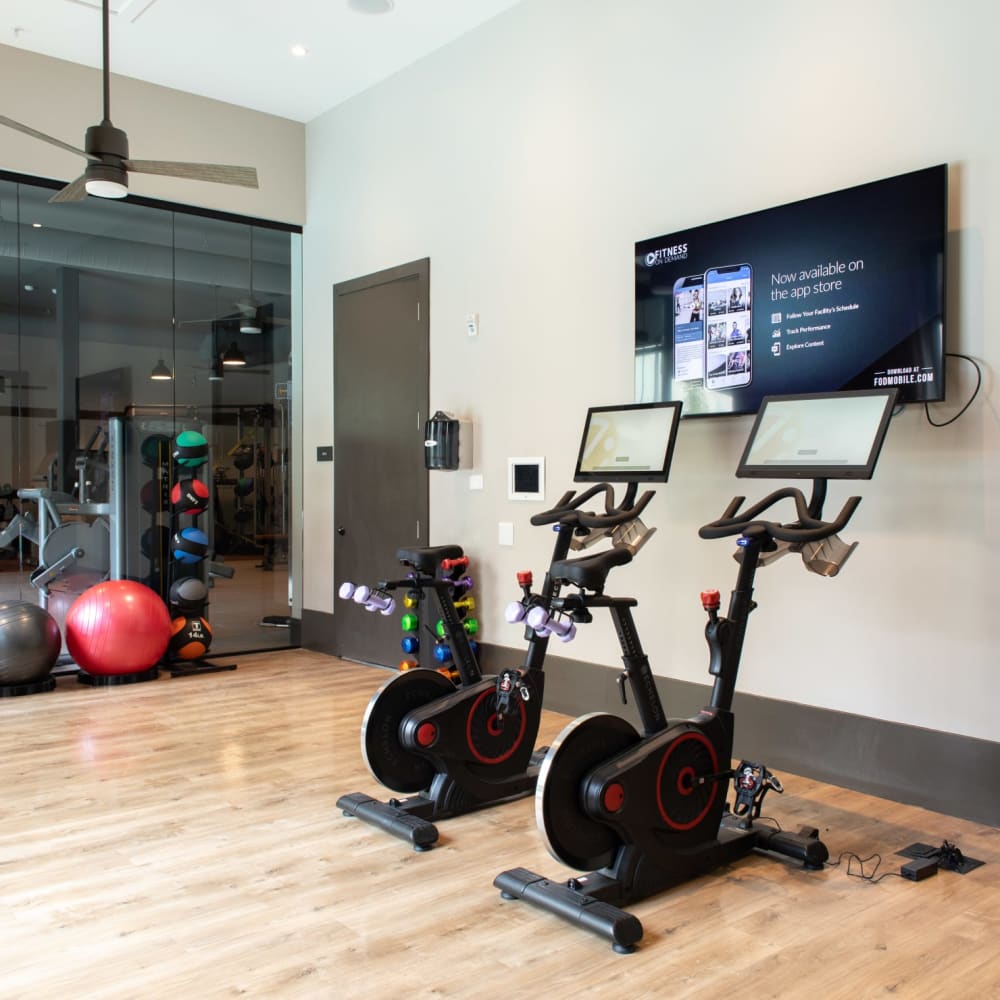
{"type": "Point", "coordinates": [319, 632]}
{"type": "Point", "coordinates": [948, 773]}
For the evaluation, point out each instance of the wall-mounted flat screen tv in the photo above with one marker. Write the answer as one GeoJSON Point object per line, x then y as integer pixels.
{"type": "Point", "coordinates": [843, 291]}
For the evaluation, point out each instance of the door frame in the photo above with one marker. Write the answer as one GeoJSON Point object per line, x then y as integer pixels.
{"type": "Point", "coordinates": [419, 504]}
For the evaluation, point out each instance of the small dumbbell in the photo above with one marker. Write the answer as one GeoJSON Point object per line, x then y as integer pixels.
{"type": "Point", "coordinates": [543, 624]}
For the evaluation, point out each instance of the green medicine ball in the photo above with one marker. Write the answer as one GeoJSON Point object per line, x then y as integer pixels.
{"type": "Point", "coordinates": [190, 449]}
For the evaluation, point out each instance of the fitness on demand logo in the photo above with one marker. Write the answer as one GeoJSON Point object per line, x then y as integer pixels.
{"type": "Point", "coordinates": [667, 255]}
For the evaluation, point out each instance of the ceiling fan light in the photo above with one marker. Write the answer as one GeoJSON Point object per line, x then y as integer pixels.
{"type": "Point", "coordinates": [160, 372]}
{"type": "Point", "coordinates": [106, 189]}
{"type": "Point", "coordinates": [234, 357]}
{"type": "Point", "coordinates": [106, 181]}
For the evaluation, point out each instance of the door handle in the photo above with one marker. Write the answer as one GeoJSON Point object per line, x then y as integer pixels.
{"type": "Point", "coordinates": [341, 532]}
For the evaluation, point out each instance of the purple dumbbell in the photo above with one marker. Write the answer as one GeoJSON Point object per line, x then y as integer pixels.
{"type": "Point", "coordinates": [537, 617]}
{"type": "Point", "coordinates": [564, 628]}
{"type": "Point", "coordinates": [514, 612]}
{"type": "Point", "coordinates": [381, 602]}
{"type": "Point", "coordinates": [543, 624]}
{"type": "Point", "coordinates": [346, 590]}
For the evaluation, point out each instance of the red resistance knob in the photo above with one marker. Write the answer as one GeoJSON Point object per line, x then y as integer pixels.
{"type": "Point", "coordinates": [710, 600]}
{"type": "Point", "coordinates": [461, 561]}
{"type": "Point", "coordinates": [426, 734]}
{"type": "Point", "coordinates": [524, 578]}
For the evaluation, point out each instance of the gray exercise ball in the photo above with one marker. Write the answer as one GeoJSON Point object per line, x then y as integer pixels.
{"type": "Point", "coordinates": [30, 642]}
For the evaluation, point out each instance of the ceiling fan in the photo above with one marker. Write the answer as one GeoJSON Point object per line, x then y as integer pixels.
{"type": "Point", "coordinates": [106, 149]}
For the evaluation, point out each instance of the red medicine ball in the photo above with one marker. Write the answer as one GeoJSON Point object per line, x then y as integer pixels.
{"type": "Point", "coordinates": [189, 496]}
{"type": "Point", "coordinates": [191, 637]}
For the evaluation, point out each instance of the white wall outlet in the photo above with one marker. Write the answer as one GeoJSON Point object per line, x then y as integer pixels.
{"type": "Point", "coordinates": [505, 535]}
{"type": "Point", "coordinates": [475, 482]}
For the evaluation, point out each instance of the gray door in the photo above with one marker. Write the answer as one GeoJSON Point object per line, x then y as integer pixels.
{"type": "Point", "coordinates": [381, 374]}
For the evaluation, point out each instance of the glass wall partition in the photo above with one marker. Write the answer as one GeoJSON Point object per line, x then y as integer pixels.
{"type": "Point", "coordinates": [122, 326]}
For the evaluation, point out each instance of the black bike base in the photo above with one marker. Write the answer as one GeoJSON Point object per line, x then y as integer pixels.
{"type": "Point", "coordinates": [593, 901]}
{"type": "Point", "coordinates": [112, 680]}
{"type": "Point", "coordinates": [410, 818]}
{"type": "Point", "coordinates": [564, 900]}
{"type": "Point", "coordinates": [397, 818]}
{"type": "Point", "coordinates": [29, 687]}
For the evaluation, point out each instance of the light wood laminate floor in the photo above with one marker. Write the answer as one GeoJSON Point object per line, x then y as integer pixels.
{"type": "Point", "coordinates": [180, 838]}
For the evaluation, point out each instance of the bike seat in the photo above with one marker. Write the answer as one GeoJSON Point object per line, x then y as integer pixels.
{"type": "Point", "coordinates": [590, 572]}
{"type": "Point", "coordinates": [428, 560]}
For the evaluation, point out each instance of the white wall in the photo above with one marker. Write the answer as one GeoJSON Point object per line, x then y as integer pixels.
{"type": "Point", "coordinates": [527, 158]}
{"type": "Point", "coordinates": [62, 99]}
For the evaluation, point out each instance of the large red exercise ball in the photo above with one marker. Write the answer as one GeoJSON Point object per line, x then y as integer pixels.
{"type": "Point", "coordinates": [30, 642]}
{"type": "Point", "coordinates": [190, 449]}
{"type": "Point", "coordinates": [117, 627]}
{"type": "Point", "coordinates": [189, 496]}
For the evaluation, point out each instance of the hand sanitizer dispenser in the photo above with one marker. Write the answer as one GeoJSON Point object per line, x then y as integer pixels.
{"type": "Point", "coordinates": [441, 442]}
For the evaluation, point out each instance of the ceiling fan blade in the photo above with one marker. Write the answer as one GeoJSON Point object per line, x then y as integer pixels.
{"type": "Point", "coordinates": [35, 134]}
{"type": "Point", "coordinates": [218, 173]}
{"type": "Point", "coordinates": [74, 191]}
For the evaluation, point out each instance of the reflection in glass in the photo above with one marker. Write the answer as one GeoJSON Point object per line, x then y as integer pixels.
{"type": "Point", "coordinates": [128, 310]}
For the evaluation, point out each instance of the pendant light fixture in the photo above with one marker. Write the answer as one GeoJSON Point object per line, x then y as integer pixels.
{"type": "Point", "coordinates": [250, 312]}
{"type": "Point", "coordinates": [234, 357]}
{"type": "Point", "coordinates": [160, 372]}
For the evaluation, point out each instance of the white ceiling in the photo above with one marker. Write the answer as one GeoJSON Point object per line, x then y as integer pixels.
{"type": "Point", "coordinates": [239, 51]}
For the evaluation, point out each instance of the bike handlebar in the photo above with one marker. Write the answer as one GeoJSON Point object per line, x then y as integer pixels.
{"type": "Point", "coordinates": [615, 515]}
{"type": "Point", "coordinates": [567, 509]}
{"type": "Point", "coordinates": [806, 529]}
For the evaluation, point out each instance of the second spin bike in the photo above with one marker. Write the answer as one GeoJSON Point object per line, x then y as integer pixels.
{"type": "Point", "coordinates": [452, 747]}
{"type": "Point", "coordinates": [646, 812]}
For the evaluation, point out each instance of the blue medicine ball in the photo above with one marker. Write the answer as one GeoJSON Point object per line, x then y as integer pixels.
{"type": "Point", "coordinates": [190, 545]}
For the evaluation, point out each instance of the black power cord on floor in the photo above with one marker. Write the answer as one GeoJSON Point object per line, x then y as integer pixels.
{"type": "Point", "coordinates": [861, 862]}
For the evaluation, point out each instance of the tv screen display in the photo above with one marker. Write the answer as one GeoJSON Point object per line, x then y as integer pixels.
{"type": "Point", "coordinates": [818, 436]}
{"type": "Point", "coordinates": [631, 443]}
{"type": "Point", "coordinates": [843, 291]}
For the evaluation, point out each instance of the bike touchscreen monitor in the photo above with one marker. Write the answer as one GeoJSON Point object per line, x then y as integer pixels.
{"type": "Point", "coordinates": [629, 443]}
{"type": "Point", "coordinates": [819, 435]}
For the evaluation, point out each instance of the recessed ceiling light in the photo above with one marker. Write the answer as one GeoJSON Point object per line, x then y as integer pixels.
{"type": "Point", "coordinates": [36, 225]}
{"type": "Point", "coordinates": [300, 51]}
{"type": "Point", "coordinates": [29, 288]}
{"type": "Point", "coordinates": [371, 6]}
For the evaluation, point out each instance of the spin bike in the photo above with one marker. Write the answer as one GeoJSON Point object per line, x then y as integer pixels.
{"type": "Point", "coordinates": [646, 812]}
{"type": "Point", "coordinates": [458, 746]}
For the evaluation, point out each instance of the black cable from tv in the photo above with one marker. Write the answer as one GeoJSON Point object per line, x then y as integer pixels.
{"type": "Point", "coordinates": [969, 401]}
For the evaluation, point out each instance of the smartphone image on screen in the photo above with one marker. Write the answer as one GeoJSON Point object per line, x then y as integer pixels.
{"type": "Point", "coordinates": [689, 329]}
{"type": "Point", "coordinates": [728, 293]}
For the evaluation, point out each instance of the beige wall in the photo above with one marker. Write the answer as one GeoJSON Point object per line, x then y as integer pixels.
{"type": "Point", "coordinates": [62, 99]}
{"type": "Point", "coordinates": [527, 158]}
